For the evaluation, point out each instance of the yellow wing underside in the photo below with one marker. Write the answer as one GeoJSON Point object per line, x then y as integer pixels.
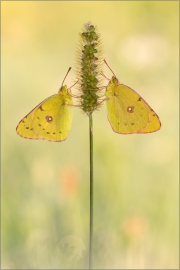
{"type": "Point", "coordinates": [51, 120]}
{"type": "Point", "coordinates": [128, 113]}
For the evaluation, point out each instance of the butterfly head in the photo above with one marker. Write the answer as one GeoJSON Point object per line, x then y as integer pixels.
{"type": "Point", "coordinates": [65, 95]}
{"type": "Point", "coordinates": [63, 90]}
{"type": "Point", "coordinates": [112, 86]}
{"type": "Point", "coordinates": [114, 81]}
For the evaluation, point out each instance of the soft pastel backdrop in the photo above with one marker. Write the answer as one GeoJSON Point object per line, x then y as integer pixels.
{"type": "Point", "coordinates": [45, 186]}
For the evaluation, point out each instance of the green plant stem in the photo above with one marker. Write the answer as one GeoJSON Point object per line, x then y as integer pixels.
{"type": "Point", "coordinates": [91, 192]}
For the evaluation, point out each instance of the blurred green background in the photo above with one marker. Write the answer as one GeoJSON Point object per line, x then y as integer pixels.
{"type": "Point", "coordinates": [45, 186]}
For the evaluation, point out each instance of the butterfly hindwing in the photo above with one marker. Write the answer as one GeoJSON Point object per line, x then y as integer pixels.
{"type": "Point", "coordinates": [50, 120]}
{"type": "Point", "coordinates": [154, 123]}
{"type": "Point", "coordinates": [25, 126]}
{"type": "Point", "coordinates": [128, 112]}
{"type": "Point", "coordinates": [53, 119]}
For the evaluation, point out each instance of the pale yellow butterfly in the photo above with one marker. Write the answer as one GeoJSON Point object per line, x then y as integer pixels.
{"type": "Point", "coordinates": [127, 111]}
{"type": "Point", "coordinates": [50, 120]}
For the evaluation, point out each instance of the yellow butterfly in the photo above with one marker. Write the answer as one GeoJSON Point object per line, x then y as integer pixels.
{"type": "Point", "coordinates": [128, 112]}
{"type": "Point", "coordinates": [50, 120]}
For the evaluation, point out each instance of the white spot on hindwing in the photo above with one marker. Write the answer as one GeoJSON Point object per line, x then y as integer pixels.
{"type": "Point", "coordinates": [49, 118]}
{"type": "Point", "coordinates": [130, 109]}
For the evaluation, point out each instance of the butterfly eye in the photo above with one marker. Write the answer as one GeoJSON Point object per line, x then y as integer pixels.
{"type": "Point", "coordinates": [49, 119]}
{"type": "Point", "coordinates": [130, 109]}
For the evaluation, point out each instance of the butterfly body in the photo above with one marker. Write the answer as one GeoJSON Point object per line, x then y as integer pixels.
{"type": "Point", "coordinates": [128, 112]}
{"type": "Point", "coordinates": [50, 120]}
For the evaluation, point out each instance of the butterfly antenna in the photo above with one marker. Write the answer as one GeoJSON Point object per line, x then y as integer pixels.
{"type": "Point", "coordinates": [109, 67]}
{"type": "Point", "coordinates": [72, 85]}
{"type": "Point", "coordinates": [66, 75]}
